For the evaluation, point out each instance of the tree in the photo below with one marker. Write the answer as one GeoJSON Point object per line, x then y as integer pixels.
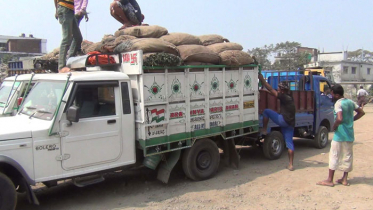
{"type": "Point", "coordinates": [262, 55]}
{"type": "Point", "coordinates": [286, 55]}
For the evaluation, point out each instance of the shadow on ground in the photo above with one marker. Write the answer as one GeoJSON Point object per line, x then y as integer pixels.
{"type": "Point", "coordinates": [138, 188]}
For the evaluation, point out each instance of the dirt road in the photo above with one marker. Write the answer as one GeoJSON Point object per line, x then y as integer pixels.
{"type": "Point", "coordinates": [258, 184]}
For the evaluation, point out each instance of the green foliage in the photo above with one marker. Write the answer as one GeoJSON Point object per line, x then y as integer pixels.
{"type": "Point", "coordinates": [162, 59]}
{"type": "Point", "coordinates": [7, 58]}
{"type": "Point", "coordinates": [286, 52]}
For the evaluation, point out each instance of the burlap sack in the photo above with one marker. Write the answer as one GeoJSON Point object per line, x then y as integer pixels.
{"type": "Point", "coordinates": [123, 38]}
{"type": "Point", "coordinates": [107, 38]}
{"type": "Point", "coordinates": [212, 39]}
{"type": "Point", "coordinates": [147, 45]}
{"type": "Point", "coordinates": [220, 47]}
{"type": "Point", "coordinates": [93, 47]}
{"type": "Point", "coordinates": [198, 53]}
{"type": "Point", "coordinates": [181, 39]}
{"type": "Point", "coordinates": [192, 63]}
{"type": "Point", "coordinates": [235, 58]}
{"type": "Point", "coordinates": [143, 31]}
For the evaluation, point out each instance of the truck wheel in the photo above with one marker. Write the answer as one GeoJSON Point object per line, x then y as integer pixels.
{"type": "Point", "coordinates": [321, 138]}
{"type": "Point", "coordinates": [201, 161]}
{"type": "Point", "coordinates": [8, 195]}
{"type": "Point", "coordinates": [273, 145]}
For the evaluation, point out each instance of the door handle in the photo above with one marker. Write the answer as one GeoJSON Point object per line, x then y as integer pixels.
{"type": "Point", "coordinates": [111, 121]}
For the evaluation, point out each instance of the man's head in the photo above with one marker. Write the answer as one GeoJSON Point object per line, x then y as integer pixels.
{"type": "Point", "coordinates": [361, 87]}
{"type": "Point", "coordinates": [283, 87]}
{"type": "Point", "coordinates": [337, 92]}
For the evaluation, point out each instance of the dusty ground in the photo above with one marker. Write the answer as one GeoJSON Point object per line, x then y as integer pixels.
{"type": "Point", "coordinates": [258, 184]}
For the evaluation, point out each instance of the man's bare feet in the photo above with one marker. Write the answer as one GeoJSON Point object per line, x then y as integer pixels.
{"type": "Point", "coordinates": [325, 183]}
{"type": "Point", "coordinates": [341, 181]}
{"type": "Point", "coordinates": [290, 168]}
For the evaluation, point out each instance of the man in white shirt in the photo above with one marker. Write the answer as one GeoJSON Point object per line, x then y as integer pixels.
{"type": "Point", "coordinates": [361, 94]}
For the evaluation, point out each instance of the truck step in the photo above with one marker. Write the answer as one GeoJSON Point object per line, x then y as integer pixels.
{"type": "Point", "coordinates": [88, 180]}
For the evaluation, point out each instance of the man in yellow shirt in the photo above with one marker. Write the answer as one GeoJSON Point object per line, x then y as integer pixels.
{"type": "Point", "coordinates": [71, 36]}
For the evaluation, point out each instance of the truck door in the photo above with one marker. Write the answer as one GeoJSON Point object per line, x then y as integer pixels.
{"type": "Point", "coordinates": [96, 138]}
{"type": "Point", "coordinates": [324, 103]}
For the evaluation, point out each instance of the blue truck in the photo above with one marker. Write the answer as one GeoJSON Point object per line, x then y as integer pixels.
{"type": "Point", "coordinates": [314, 110]}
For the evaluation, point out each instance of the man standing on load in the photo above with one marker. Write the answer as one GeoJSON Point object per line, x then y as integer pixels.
{"type": "Point", "coordinates": [341, 149]}
{"type": "Point", "coordinates": [127, 12]}
{"type": "Point", "coordinates": [286, 118]}
{"type": "Point", "coordinates": [71, 36]}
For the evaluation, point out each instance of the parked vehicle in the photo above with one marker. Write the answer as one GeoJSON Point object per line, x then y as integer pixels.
{"type": "Point", "coordinates": [314, 110]}
{"type": "Point", "coordinates": [81, 125]}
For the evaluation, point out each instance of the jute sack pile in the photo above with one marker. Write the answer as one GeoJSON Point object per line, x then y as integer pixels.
{"type": "Point", "coordinates": [147, 45]}
{"type": "Point", "coordinates": [198, 53]}
{"type": "Point", "coordinates": [52, 55]}
{"type": "Point", "coordinates": [212, 39]}
{"type": "Point", "coordinates": [143, 31]}
{"type": "Point", "coordinates": [235, 58]}
{"type": "Point", "coordinates": [181, 39]}
{"type": "Point", "coordinates": [220, 47]}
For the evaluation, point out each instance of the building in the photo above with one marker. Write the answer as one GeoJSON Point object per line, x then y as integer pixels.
{"type": "Point", "coordinates": [287, 59]}
{"type": "Point", "coordinates": [351, 73]}
{"type": "Point", "coordinates": [14, 47]}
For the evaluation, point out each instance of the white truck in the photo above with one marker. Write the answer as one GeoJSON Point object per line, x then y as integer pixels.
{"type": "Point", "coordinates": [12, 92]}
{"type": "Point", "coordinates": [80, 125]}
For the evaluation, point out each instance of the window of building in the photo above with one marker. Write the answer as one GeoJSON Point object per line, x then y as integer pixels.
{"type": "Point", "coordinates": [353, 70]}
{"type": "Point", "coordinates": [345, 69]}
{"type": "Point", "coordinates": [368, 71]}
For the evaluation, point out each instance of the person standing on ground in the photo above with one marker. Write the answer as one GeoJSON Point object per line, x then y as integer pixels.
{"type": "Point", "coordinates": [286, 120]}
{"type": "Point", "coordinates": [127, 12]}
{"type": "Point", "coordinates": [80, 7]}
{"type": "Point", "coordinates": [361, 94]}
{"type": "Point", "coordinates": [341, 150]}
{"type": "Point", "coordinates": [71, 36]}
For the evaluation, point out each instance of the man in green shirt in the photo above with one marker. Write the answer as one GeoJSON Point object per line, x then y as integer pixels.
{"type": "Point", "coordinates": [341, 150]}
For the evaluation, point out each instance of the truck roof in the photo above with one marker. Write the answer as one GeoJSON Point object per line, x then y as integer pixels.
{"type": "Point", "coordinates": [85, 76]}
{"type": "Point", "coordinates": [22, 77]}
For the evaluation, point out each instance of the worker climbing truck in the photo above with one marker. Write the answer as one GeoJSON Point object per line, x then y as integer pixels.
{"type": "Point", "coordinates": [80, 125]}
{"type": "Point", "coordinates": [314, 110]}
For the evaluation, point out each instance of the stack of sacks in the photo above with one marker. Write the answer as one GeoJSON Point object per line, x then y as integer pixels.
{"type": "Point", "coordinates": [163, 49]}
{"type": "Point", "coordinates": [51, 56]}
{"type": "Point", "coordinates": [230, 54]}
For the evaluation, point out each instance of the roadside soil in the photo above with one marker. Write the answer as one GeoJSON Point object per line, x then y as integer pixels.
{"type": "Point", "coordinates": [257, 184]}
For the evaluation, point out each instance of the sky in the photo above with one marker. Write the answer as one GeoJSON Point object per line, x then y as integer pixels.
{"type": "Point", "coordinates": [328, 25]}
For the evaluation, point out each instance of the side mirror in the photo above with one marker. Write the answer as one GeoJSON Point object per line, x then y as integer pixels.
{"type": "Point", "coordinates": [72, 114]}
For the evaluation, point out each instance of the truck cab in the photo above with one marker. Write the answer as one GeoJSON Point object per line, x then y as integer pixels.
{"type": "Point", "coordinates": [12, 91]}
{"type": "Point", "coordinates": [314, 109]}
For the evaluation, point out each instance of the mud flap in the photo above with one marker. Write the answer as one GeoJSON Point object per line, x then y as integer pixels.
{"type": "Point", "coordinates": [31, 197]}
{"type": "Point", "coordinates": [231, 156]}
{"type": "Point", "coordinates": [166, 167]}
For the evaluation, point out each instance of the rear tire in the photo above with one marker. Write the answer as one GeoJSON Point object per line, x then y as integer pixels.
{"type": "Point", "coordinates": [273, 145]}
{"type": "Point", "coordinates": [201, 161]}
{"type": "Point", "coordinates": [8, 194]}
{"type": "Point", "coordinates": [321, 138]}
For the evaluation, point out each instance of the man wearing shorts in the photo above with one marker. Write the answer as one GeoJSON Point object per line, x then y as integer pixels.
{"type": "Point", "coordinates": [361, 94]}
{"type": "Point", "coordinates": [286, 118]}
{"type": "Point", "coordinates": [127, 12]}
{"type": "Point", "coordinates": [341, 150]}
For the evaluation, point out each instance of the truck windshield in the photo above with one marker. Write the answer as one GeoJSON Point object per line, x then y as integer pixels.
{"type": "Point", "coordinates": [43, 100]}
{"type": "Point", "coordinates": [6, 91]}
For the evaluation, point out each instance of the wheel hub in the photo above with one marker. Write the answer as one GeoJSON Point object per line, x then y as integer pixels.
{"type": "Point", "coordinates": [276, 146]}
{"type": "Point", "coordinates": [203, 160]}
{"type": "Point", "coordinates": [324, 138]}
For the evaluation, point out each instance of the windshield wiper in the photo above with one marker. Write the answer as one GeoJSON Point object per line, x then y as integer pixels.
{"type": "Point", "coordinates": [43, 111]}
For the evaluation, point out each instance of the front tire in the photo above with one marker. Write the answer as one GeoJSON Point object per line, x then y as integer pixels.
{"type": "Point", "coordinates": [201, 161]}
{"type": "Point", "coordinates": [8, 194]}
{"type": "Point", "coordinates": [273, 145]}
{"type": "Point", "coordinates": [321, 138]}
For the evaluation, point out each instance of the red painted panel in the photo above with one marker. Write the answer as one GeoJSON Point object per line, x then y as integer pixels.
{"type": "Point", "coordinates": [296, 99]}
{"type": "Point", "coordinates": [302, 100]}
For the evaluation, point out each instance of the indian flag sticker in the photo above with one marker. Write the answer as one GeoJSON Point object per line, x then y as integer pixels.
{"type": "Point", "coordinates": [157, 115]}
